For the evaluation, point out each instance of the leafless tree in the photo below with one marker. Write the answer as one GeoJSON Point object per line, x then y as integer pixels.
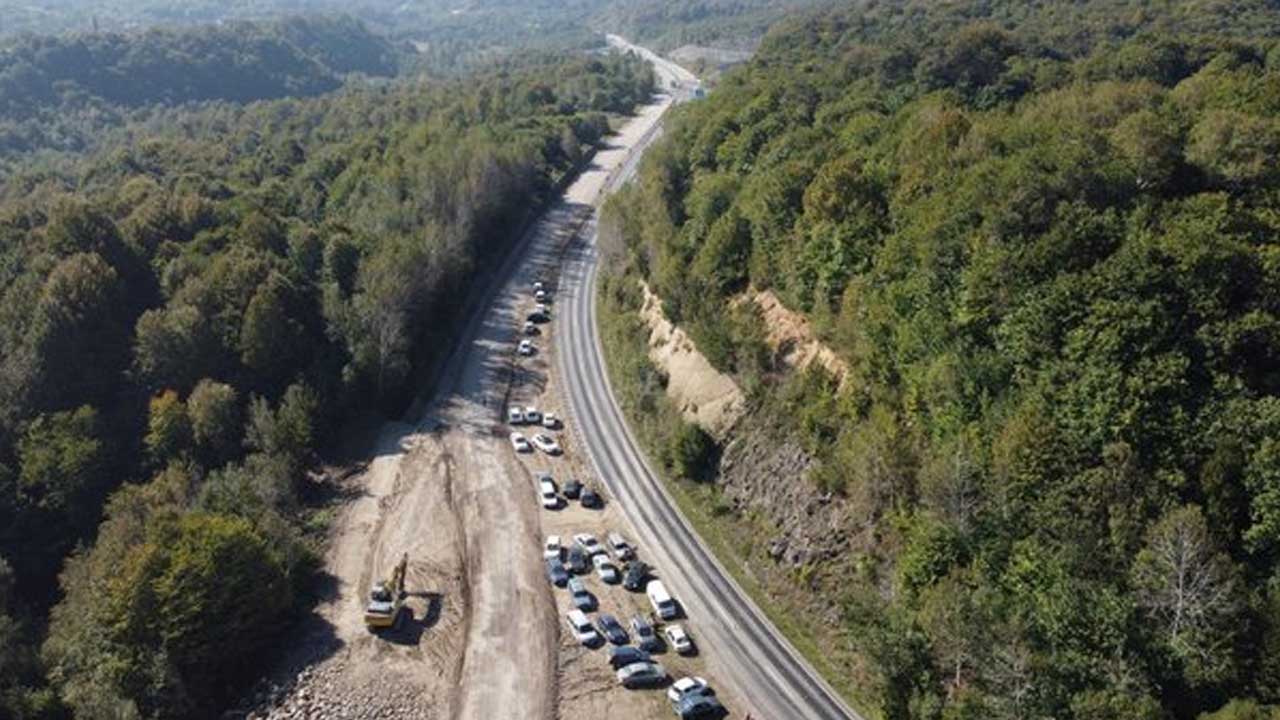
{"type": "Point", "coordinates": [1187, 586]}
{"type": "Point", "coordinates": [950, 483]}
{"type": "Point", "coordinates": [953, 619]}
{"type": "Point", "coordinates": [1010, 670]}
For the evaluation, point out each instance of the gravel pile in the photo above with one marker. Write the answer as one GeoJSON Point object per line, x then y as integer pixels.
{"type": "Point", "coordinates": [327, 691]}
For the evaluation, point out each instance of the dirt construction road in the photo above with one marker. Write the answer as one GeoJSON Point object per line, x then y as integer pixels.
{"type": "Point", "coordinates": [481, 641]}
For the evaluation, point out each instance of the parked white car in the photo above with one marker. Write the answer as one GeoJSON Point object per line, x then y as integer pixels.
{"type": "Point", "coordinates": [515, 415]}
{"type": "Point", "coordinates": [687, 685]}
{"type": "Point", "coordinates": [546, 444]}
{"type": "Point", "coordinates": [607, 571]}
{"type": "Point", "coordinates": [551, 549]}
{"type": "Point", "coordinates": [525, 348]}
{"type": "Point", "coordinates": [540, 295]}
{"type": "Point", "coordinates": [520, 443]}
{"type": "Point", "coordinates": [621, 548]}
{"type": "Point", "coordinates": [532, 416]}
{"type": "Point", "coordinates": [582, 628]}
{"type": "Point", "coordinates": [588, 543]}
{"type": "Point", "coordinates": [661, 600]}
{"type": "Point", "coordinates": [530, 328]}
{"type": "Point", "coordinates": [678, 639]}
{"type": "Point", "coordinates": [550, 421]}
{"type": "Point", "coordinates": [547, 490]}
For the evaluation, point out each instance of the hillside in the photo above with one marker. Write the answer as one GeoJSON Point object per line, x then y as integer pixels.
{"type": "Point", "coordinates": [669, 24]}
{"type": "Point", "coordinates": [61, 92]}
{"type": "Point", "coordinates": [1042, 239]}
{"type": "Point", "coordinates": [451, 35]}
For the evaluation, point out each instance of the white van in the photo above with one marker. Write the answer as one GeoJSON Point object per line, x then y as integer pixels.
{"type": "Point", "coordinates": [582, 628]}
{"type": "Point", "coordinates": [661, 600]}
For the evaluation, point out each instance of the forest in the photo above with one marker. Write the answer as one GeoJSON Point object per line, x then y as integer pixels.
{"type": "Point", "coordinates": [1046, 239]}
{"type": "Point", "coordinates": [76, 71]}
{"type": "Point", "coordinates": [450, 36]}
{"type": "Point", "coordinates": [62, 93]}
{"type": "Point", "coordinates": [192, 308]}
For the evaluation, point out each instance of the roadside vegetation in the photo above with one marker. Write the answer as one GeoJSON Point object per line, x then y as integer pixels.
{"type": "Point", "coordinates": [1043, 238]}
{"type": "Point", "coordinates": [191, 309]}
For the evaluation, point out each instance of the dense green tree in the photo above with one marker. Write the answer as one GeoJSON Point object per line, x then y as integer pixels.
{"type": "Point", "coordinates": [216, 425]}
{"type": "Point", "coordinates": [173, 617]}
{"type": "Point", "coordinates": [693, 452]}
{"type": "Point", "coordinates": [77, 334]}
{"type": "Point", "coordinates": [62, 462]}
{"type": "Point", "coordinates": [174, 346]}
{"type": "Point", "coordinates": [168, 428]}
{"type": "Point", "coordinates": [290, 430]}
{"type": "Point", "coordinates": [270, 336]}
{"type": "Point", "coordinates": [1235, 148]}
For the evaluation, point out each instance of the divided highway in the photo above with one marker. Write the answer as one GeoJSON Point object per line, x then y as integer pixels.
{"type": "Point", "coordinates": [754, 658]}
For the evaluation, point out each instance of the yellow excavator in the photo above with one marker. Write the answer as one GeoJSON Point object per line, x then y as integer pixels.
{"type": "Point", "coordinates": [386, 598]}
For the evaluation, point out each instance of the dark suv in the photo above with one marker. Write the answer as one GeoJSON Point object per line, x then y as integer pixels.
{"type": "Point", "coordinates": [636, 575]}
{"type": "Point", "coordinates": [578, 560]}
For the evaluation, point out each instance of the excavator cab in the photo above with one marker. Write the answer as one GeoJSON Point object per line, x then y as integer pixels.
{"type": "Point", "coordinates": [386, 599]}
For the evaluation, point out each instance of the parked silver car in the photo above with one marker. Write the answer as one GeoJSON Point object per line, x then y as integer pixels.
{"type": "Point", "coordinates": [642, 674]}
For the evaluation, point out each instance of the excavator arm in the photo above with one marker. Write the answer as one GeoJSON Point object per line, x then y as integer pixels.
{"type": "Point", "coordinates": [397, 576]}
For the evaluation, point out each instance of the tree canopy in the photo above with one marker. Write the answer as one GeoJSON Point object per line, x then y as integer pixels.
{"type": "Point", "coordinates": [1043, 236]}
{"type": "Point", "coordinates": [193, 306]}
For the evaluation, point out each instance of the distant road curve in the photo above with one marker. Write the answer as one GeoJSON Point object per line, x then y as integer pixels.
{"type": "Point", "coordinates": [745, 650]}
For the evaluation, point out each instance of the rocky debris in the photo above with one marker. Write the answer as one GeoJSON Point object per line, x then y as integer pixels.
{"type": "Point", "coordinates": [327, 691]}
{"type": "Point", "coordinates": [760, 475]}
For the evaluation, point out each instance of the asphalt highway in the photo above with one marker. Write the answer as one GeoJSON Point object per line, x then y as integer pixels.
{"type": "Point", "coordinates": [760, 664]}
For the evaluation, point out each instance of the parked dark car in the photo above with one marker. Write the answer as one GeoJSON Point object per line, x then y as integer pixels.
{"type": "Point", "coordinates": [636, 575]}
{"type": "Point", "coordinates": [556, 572]}
{"type": "Point", "coordinates": [591, 499]}
{"type": "Point", "coordinates": [646, 638]}
{"type": "Point", "coordinates": [582, 598]}
{"type": "Point", "coordinates": [572, 489]}
{"type": "Point", "coordinates": [620, 657]}
{"type": "Point", "coordinates": [578, 560]}
{"type": "Point", "coordinates": [698, 705]}
{"type": "Point", "coordinates": [612, 629]}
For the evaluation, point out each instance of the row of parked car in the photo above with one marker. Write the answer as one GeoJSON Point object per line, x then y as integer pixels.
{"type": "Point", "coordinates": [522, 416]}
{"type": "Point", "coordinates": [549, 493]}
{"type": "Point", "coordinates": [632, 662]}
{"type": "Point", "coordinates": [542, 441]}
{"type": "Point", "coordinates": [567, 566]}
{"type": "Point", "coordinates": [540, 314]}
